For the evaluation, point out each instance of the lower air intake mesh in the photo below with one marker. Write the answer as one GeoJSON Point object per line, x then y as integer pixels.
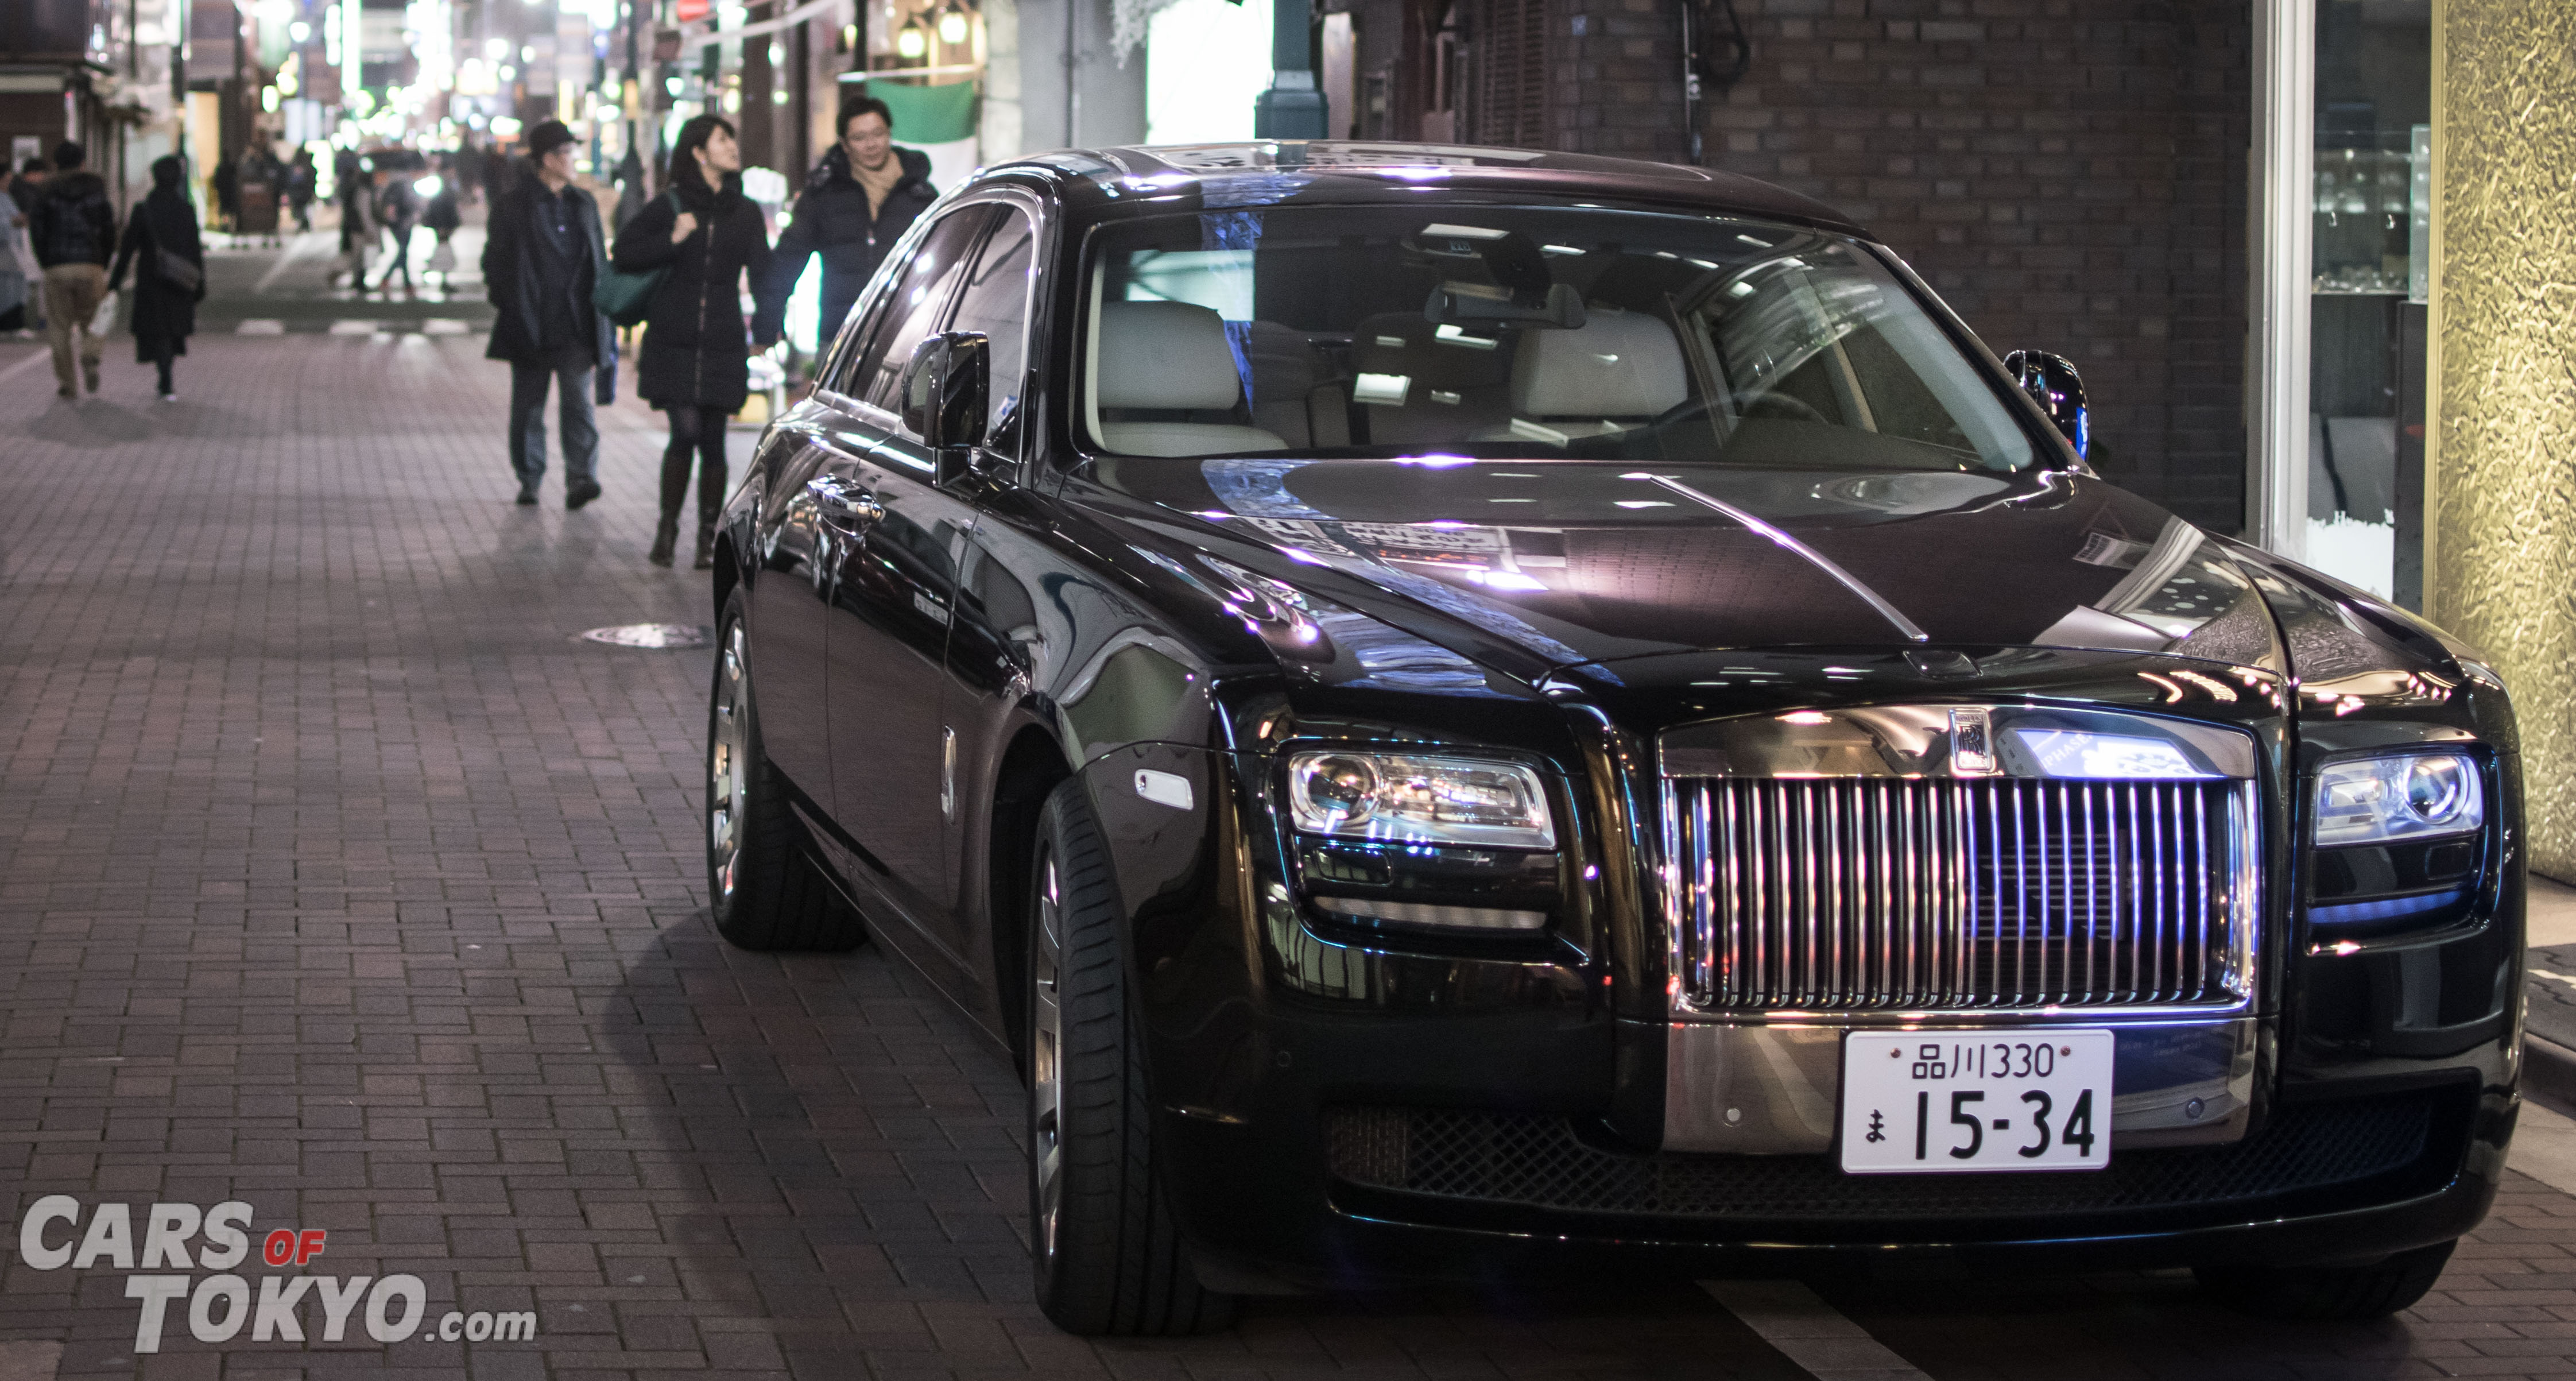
{"type": "Point", "coordinates": [1544, 1163]}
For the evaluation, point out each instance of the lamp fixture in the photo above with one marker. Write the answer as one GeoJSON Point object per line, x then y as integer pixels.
{"type": "Point", "coordinates": [952, 23]}
{"type": "Point", "coordinates": [911, 41]}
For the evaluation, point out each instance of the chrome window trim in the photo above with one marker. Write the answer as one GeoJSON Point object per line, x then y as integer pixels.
{"type": "Point", "coordinates": [1040, 215]}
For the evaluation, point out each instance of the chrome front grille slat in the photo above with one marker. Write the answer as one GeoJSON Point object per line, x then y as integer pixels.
{"type": "Point", "coordinates": [1929, 894]}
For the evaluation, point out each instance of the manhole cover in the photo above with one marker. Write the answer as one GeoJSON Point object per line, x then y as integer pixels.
{"type": "Point", "coordinates": [652, 635]}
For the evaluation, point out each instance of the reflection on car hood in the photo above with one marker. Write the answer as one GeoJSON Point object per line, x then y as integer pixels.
{"type": "Point", "coordinates": [1587, 562]}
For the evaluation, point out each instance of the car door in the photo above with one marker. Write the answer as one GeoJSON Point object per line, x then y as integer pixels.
{"type": "Point", "coordinates": [992, 617]}
{"type": "Point", "coordinates": [785, 624]}
{"type": "Point", "coordinates": [795, 549]}
{"type": "Point", "coordinates": [896, 554]}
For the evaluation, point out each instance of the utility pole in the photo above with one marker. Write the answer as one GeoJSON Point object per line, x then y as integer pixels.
{"type": "Point", "coordinates": [1292, 108]}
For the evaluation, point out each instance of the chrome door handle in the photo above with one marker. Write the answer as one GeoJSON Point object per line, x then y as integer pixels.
{"type": "Point", "coordinates": [840, 499]}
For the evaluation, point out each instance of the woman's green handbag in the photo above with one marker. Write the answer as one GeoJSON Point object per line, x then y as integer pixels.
{"type": "Point", "coordinates": [627, 298]}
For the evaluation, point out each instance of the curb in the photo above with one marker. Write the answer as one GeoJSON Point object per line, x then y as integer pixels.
{"type": "Point", "coordinates": [2549, 1073]}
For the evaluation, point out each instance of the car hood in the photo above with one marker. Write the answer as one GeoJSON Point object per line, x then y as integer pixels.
{"type": "Point", "coordinates": [1579, 562]}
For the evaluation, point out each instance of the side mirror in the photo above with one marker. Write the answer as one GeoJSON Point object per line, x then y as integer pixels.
{"type": "Point", "coordinates": [2051, 382]}
{"type": "Point", "coordinates": [944, 396]}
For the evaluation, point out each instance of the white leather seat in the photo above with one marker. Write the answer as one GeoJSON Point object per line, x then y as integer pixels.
{"type": "Point", "coordinates": [1618, 370]}
{"type": "Point", "coordinates": [1170, 357]}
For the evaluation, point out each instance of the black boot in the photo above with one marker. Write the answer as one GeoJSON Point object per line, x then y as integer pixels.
{"type": "Point", "coordinates": [706, 548]}
{"type": "Point", "coordinates": [666, 535]}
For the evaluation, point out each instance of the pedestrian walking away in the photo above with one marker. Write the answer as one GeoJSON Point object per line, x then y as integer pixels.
{"type": "Point", "coordinates": [169, 271]}
{"type": "Point", "coordinates": [73, 229]}
{"type": "Point", "coordinates": [862, 195]}
{"type": "Point", "coordinates": [30, 184]}
{"type": "Point", "coordinates": [441, 217]}
{"type": "Point", "coordinates": [695, 362]}
{"type": "Point", "coordinates": [350, 175]}
{"type": "Point", "coordinates": [227, 185]}
{"type": "Point", "coordinates": [23, 194]}
{"type": "Point", "coordinates": [19, 274]}
{"type": "Point", "coordinates": [467, 169]}
{"type": "Point", "coordinates": [398, 207]}
{"type": "Point", "coordinates": [301, 177]}
{"type": "Point", "coordinates": [543, 254]}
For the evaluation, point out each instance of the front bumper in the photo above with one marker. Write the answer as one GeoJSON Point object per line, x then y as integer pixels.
{"type": "Point", "coordinates": [1377, 1195]}
{"type": "Point", "coordinates": [1337, 1110]}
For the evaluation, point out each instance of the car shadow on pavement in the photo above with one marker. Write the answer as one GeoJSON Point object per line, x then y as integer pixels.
{"type": "Point", "coordinates": [840, 1169]}
{"type": "Point", "coordinates": [2137, 1323]}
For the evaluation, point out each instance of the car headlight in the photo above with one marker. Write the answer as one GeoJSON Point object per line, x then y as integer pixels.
{"type": "Point", "coordinates": [1419, 798]}
{"type": "Point", "coordinates": [2399, 797]}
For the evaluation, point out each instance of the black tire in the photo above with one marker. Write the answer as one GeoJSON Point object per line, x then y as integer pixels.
{"type": "Point", "coordinates": [1106, 1251]}
{"type": "Point", "coordinates": [2327, 1293]}
{"type": "Point", "coordinates": [766, 892]}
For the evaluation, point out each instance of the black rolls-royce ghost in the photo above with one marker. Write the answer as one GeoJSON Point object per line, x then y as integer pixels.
{"type": "Point", "coordinates": [1455, 709]}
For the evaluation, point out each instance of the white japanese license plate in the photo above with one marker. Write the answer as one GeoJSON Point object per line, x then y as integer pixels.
{"type": "Point", "coordinates": [1928, 1102]}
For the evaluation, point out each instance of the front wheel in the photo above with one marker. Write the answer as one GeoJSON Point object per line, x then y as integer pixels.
{"type": "Point", "coordinates": [2345, 1293]}
{"type": "Point", "coordinates": [1107, 1255]}
{"type": "Point", "coordinates": [766, 893]}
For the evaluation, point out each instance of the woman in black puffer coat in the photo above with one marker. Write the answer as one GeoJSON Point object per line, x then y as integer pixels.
{"type": "Point", "coordinates": [693, 365]}
{"type": "Point", "coordinates": [165, 312]}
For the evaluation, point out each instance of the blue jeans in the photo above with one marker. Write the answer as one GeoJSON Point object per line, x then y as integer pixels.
{"type": "Point", "coordinates": [569, 370]}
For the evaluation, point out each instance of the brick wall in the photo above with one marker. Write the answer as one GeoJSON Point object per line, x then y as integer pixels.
{"type": "Point", "coordinates": [2067, 174]}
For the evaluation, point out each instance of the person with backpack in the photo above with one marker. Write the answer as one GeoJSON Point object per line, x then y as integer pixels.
{"type": "Point", "coordinates": [398, 210]}
{"type": "Point", "coordinates": [169, 271]}
{"type": "Point", "coordinates": [542, 259]}
{"type": "Point", "coordinates": [73, 229]}
{"type": "Point", "coordinates": [860, 198]}
{"type": "Point", "coordinates": [350, 174]}
{"type": "Point", "coordinates": [443, 218]}
{"type": "Point", "coordinates": [301, 179]}
{"type": "Point", "coordinates": [704, 237]}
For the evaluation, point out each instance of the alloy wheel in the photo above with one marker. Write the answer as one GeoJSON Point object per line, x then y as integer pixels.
{"type": "Point", "coordinates": [1046, 1070]}
{"type": "Point", "coordinates": [727, 779]}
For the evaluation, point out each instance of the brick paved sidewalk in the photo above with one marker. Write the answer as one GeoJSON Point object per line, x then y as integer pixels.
{"type": "Point", "coordinates": [335, 879]}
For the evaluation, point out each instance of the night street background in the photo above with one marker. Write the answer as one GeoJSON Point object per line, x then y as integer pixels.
{"type": "Point", "coordinates": [336, 876]}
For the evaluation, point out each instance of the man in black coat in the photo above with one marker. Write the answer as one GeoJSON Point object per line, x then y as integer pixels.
{"type": "Point", "coordinates": [857, 202]}
{"type": "Point", "coordinates": [73, 231]}
{"type": "Point", "coordinates": [543, 255]}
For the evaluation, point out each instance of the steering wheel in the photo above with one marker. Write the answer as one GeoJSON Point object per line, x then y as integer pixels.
{"type": "Point", "coordinates": [1785, 406]}
{"type": "Point", "coordinates": [1697, 409]}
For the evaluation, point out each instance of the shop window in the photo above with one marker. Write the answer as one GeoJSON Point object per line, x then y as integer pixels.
{"type": "Point", "coordinates": [2368, 214]}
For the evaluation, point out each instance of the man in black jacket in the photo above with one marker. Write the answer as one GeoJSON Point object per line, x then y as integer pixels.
{"type": "Point", "coordinates": [73, 230]}
{"type": "Point", "coordinates": [856, 204]}
{"type": "Point", "coordinates": [544, 254]}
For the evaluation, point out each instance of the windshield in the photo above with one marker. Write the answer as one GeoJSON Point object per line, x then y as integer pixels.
{"type": "Point", "coordinates": [1523, 333]}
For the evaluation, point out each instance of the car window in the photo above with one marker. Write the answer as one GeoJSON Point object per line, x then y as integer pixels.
{"type": "Point", "coordinates": [916, 306]}
{"type": "Point", "coordinates": [1525, 333]}
{"type": "Point", "coordinates": [995, 301]}
{"type": "Point", "coordinates": [841, 365]}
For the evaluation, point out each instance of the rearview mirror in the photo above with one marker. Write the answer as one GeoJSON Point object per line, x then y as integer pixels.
{"type": "Point", "coordinates": [944, 392]}
{"type": "Point", "coordinates": [2051, 382]}
{"type": "Point", "coordinates": [1459, 304]}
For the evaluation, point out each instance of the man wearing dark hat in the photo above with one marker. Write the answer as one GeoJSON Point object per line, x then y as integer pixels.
{"type": "Point", "coordinates": [543, 254]}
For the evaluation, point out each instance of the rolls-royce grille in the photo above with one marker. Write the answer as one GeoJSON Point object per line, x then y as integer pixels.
{"type": "Point", "coordinates": [1861, 894]}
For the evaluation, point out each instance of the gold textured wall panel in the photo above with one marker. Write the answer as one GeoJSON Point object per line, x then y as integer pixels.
{"type": "Point", "coordinates": [2501, 455]}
